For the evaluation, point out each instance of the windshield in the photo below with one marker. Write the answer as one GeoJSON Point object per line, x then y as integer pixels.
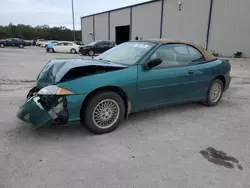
{"type": "Point", "coordinates": [93, 43]}
{"type": "Point", "coordinates": [127, 53]}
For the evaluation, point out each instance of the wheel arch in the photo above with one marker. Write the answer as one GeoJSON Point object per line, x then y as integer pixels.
{"type": "Point", "coordinates": [72, 49]}
{"type": "Point", "coordinates": [222, 78]}
{"type": "Point", "coordinates": [115, 89]}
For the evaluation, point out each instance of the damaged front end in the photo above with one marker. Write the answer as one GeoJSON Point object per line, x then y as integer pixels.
{"type": "Point", "coordinates": [56, 106]}
{"type": "Point", "coordinates": [47, 103]}
{"type": "Point", "coordinates": [47, 106]}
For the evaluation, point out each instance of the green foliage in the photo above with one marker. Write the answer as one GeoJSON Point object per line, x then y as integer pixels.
{"type": "Point", "coordinates": [28, 32]}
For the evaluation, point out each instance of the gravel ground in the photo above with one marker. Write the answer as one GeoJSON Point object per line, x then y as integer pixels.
{"type": "Point", "coordinates": [157, 148]}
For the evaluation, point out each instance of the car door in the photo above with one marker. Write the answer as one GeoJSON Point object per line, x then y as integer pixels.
{"type": "Point", "coordinates": [172, 81]}
{"type": "Point", "coordinates": [67, 47]}
{"type": "Point", "coordinates": [99, 47]}
{"type": "Point", "coordinates": [59, 47]}
{"type": "Point", "coordinates": [107, 45]}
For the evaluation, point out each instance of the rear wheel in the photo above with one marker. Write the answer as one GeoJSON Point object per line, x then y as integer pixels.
{"type": "Point", "coordinates": [2, 45]}
{"type": "Point", "coordinates": [21, 46]}
{"type": "Point", "coordinates": [103, 112]}
{"type": "Point", "coordinates": [91, 53]}
{"type": "Point", "coordinates": [215, 92]}
{"type": "Point", "coordinates": [73, 51]}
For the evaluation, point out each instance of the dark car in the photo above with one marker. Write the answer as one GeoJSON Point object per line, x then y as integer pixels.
{"type": "Point", "coordinates": [96, 47]}
{"type": "Point", "coordinates": [15, 42]}
{"type": "Point", "coordinates": [2, 43]}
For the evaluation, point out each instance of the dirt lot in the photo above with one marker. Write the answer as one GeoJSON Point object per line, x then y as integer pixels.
{"type": "Point", "coordinates": [158, 148]}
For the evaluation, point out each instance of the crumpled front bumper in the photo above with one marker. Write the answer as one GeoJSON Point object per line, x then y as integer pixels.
{"type": "Point", "coordinates": [42, 110]}
{"type": "Point", "coordinates": [32, 112]}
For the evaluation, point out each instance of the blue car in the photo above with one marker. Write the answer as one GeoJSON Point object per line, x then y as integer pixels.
{"type": "Point", "coordinates": [50, 45]}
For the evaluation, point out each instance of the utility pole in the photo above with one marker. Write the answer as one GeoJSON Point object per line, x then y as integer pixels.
{"type": "Point", "coordinates": [73, 17]}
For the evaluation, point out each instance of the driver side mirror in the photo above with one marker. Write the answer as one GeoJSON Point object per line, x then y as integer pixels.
{"type": "Point", "coordinates": [152, 63]}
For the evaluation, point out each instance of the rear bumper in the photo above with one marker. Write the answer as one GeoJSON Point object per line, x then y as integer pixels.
{"type": "Point", "coordinates": [42, 110]}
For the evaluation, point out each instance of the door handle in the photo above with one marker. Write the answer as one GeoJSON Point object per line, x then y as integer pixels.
{"type": "Point", "coordinates": [191, 72]}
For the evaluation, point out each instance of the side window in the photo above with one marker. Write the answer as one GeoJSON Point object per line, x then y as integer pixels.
{"type": "Point", "coordinates": [174, 55]}
{"type": "Point", "coordinates": [168, 56]}
{"type": "Point", "coordinates": [101, 44]}
{"type": "Point", "coordinates": [181, 49]}
{"type": "Point", "coordinates": [60, 44]}
{"type": "Point", "coordinates": [68, 44]}
{"type": "Point", "coordinates": [195, 55]}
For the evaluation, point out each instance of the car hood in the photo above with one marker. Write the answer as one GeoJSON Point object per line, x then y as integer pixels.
{"type": "Point", "coordinates": [55, 70]}
{"type": "Point", "coordinates": [86, 46]}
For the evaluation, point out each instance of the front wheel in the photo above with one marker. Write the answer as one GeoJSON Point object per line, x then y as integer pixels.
{"type": "Point", "coordinates": [91, 53]}
{"type": "Point", "coordinates": [215, 92]}
{"type": "Point", "coordinates": [103, 112]}
{"type": "Point", "coordinates": [51, 50]}
{"type": "Point", "coordinates": [2, 45]}
{"type": "Point", "coordinates": [21, 46]}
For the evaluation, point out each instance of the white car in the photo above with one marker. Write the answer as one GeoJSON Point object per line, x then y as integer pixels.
{"type": "Point", "coordinates": [43, 44]}
{"type": "Point", "coordinates": [39, 41]}
{"type": "Point", "coordinates": [66, 47]}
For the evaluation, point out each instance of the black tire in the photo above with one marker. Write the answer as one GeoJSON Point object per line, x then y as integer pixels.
{"type": "Point", "coordinates": [2, 45]}
{"type": "Point", "coordinates": [21, 45]}
{"type": "Point", "coordinates": [51, 50]}
{"type": "Point", "coordinates": [73, 51]}
{"type": "Point", "coordinates": [88, 111]}
{"type": "Point", "coordinates": [209, 101]}
{"type": "Point", "coordinates": [91, 53]}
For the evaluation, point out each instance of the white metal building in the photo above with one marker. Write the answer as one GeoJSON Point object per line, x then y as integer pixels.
{"type": "Point", "coordinates": [220, 25]}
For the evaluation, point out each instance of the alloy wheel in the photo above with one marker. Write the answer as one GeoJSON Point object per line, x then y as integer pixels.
{"type": "Point", "coordinates": [215, 92]}
{"type": "Point", "coordinates": [106, 113]}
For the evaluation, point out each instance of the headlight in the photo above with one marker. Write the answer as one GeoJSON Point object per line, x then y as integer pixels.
{"type": "Point", "coordinates": [54, 90]}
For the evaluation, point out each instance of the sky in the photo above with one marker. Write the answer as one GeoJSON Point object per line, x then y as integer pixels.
{"type": "Point", "coordinates": [55, 12]}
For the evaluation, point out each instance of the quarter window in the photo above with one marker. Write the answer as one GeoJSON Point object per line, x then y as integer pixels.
{"type": "Point", "coordinates": [174, 55]}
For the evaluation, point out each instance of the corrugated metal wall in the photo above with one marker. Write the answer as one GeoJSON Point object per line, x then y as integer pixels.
{"type": "Point", "coordinates": [118, 18]}
{"type": "Point", "coordinates": [101, 27]}
{"type": "Point", "coordinates": [146, 20]}
{"type": "Point", "coordinates": [87, 27]}
{"type": "Point", "coordinates": [230, 27]}
{"type": "Point", "coordinates": [190, 23]}
{"type": "Point", "coordinates": [229, 31]}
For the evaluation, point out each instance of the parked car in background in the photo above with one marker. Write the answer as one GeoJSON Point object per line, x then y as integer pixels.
{"type": "Point", "coordinates": [28, 42]}
{"type": "Point", "coordinates": [66, 47]}
{"type": "Point", "coordinates": [78, 43]}
{"type": "Point", "coordinates": [50, 46]}
{"type": "Point", "coordinates": [2, 43]}
{"type": "Point", "coordinates": [45, 43]}
{"type": "Point", "coordinates": [14, 42]}
{"type": "Point", "coordinates": [39, 41]}
{"type": "Point", "coordinates": [96, 47]}
{"type": "Point", "coordinates": [131, 77]}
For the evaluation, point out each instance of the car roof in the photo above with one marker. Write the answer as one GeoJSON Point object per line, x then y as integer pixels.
{"type": "Point", "coordinates": [207, 56]}
{"type": "Point", "coordinates": [64, 41]}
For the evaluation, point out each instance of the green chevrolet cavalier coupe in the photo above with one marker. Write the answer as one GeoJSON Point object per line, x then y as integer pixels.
{"type": "Point", "coordinates": [131, 77]}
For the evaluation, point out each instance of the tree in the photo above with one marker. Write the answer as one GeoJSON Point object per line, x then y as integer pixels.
{"type": "Point", "coordinates": [32, 33]}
